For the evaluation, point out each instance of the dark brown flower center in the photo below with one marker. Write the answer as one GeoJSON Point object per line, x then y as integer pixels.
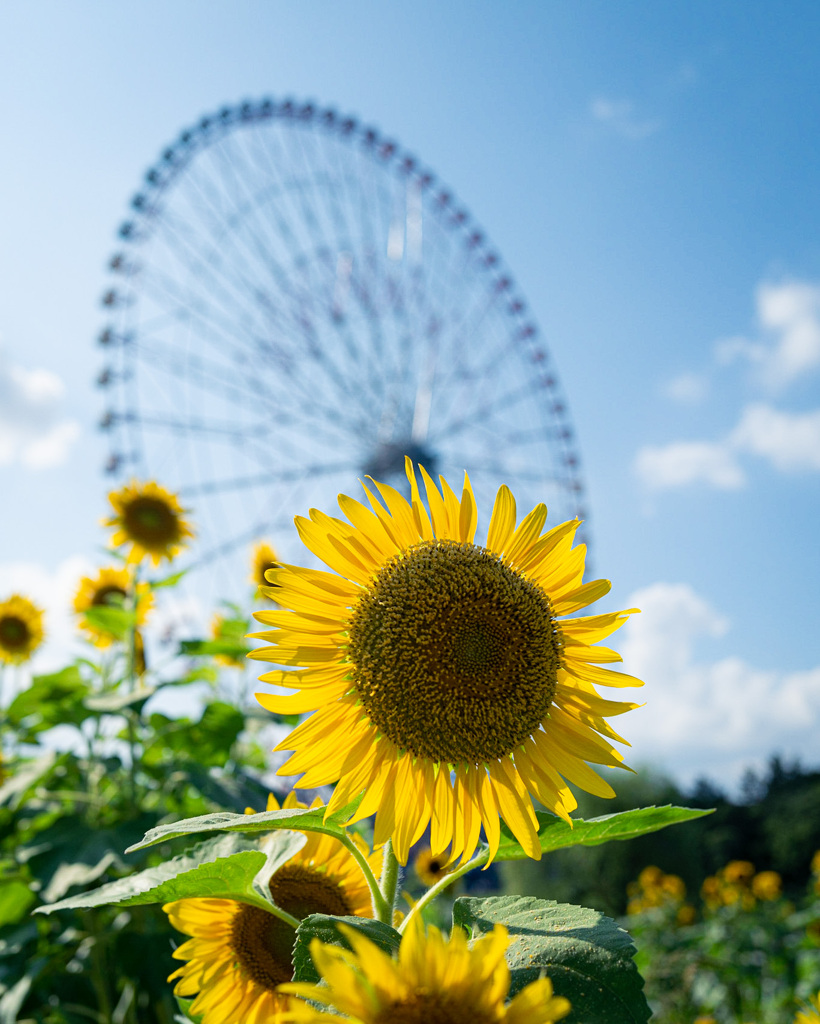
{"type": "Point", "coordinates": [263, 944]}
{"type": "Point", "coordinates": [454, 654]}
{"type": "Point", "coordinates": [14, 633]}
{"type": "Point", "coordinates": [109, 595]}
{"type": "Point", "coordinates": [151, 521]}
{"type": "Point", "coordinates": [433, 1008]}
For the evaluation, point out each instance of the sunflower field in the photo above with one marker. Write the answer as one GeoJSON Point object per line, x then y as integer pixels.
{"type": "Point", "coordinates": [438, 700]}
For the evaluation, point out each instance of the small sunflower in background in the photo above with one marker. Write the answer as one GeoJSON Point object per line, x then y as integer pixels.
{"type": "Point", "coordinates": [110, 588]}
{"type": "Point", "coordinates": [433, 981]}
{"type": "Point", "coordinates": [264, 558]}
{"type": "Point", "coordinates": [21, 629]}
{"type": "Point", "coordinates": [231, 632]}
{"type": "Point", "coordinates": [239, 954]}
{"type": "Point", "coordinates": [150, 519]}
{"type": "Point", "coordinates": [447, 682]}
{"type": "Point", "coordinates": [428, 868]}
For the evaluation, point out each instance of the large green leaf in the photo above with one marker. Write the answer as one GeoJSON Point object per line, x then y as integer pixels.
{"type": "Point", "coordinates": [326, 928]}
{"type": "Point", "coordinates": [222, 868]}
{"type": "Point", "coordinates": [305, 820]}
{"type": "Point", "coordinates": [555, 834]}
{"type": "Point", "coordinates": [586, 955]}
{"type": "Point", "coordinates": [111, 619]}
{"type": "Point", "coordinates": [51, 700]}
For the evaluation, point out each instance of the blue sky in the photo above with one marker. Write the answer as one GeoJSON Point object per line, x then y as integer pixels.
{"type": "Point", "coordinates": [648, 171]}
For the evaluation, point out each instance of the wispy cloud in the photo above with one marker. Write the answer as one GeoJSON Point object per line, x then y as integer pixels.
{"type": "Point", "coordinates": [788, 442]}
{"type": "Point", "coordinates": [621, 117]}
{"type": "Point", "coordinates": [687, 388]}
{"type": "Point", "coordinates": [32, 431]}
{"type": "Point", "coordinates": [788, 344]}
{"type": "Point", "coordinates": [709, 717]}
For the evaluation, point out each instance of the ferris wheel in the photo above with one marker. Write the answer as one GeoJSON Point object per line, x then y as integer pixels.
{"type": "Point", "coordinates": [297, 302]}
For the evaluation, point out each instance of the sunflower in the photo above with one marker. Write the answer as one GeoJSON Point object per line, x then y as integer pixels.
{"type": "Point", "coordinates": [21, 629]}
{"type": "Point", "coordinates": [150, 519]}
{"type": "Point", "coordinates": [221, 629]}
{"type": "Point", "coordinates": [429, 869]}
{"type": "Point", "coordinates": [432, 982]}
{"type": "Point", "coordinates": [238, 954]}
{"type": "Point", "coordinates": [447, 684]}
{"type": "Point", "coordinates": [811, 1012]}
{"type": "Point", "coordinates": [264, 558]}
{"type": "Point", "coordinates": [110, 588]}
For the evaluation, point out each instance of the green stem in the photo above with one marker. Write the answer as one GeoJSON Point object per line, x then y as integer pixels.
{"type": "Point", "coordinates": [441, 885]}
{"type": "Point", "coordinates": [132, 685]}
{"type": "Point", "coordinates": [389, 882]}
{"type": "Point", "coordinates": [381, 909]}
{"type": "Point", "coordinates": [98, 970]}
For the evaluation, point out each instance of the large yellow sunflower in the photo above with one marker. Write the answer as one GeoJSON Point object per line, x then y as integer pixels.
{"type": "Point", "coordinates": [150, 519]}
{"type": "Point", "coordinates": [433, 981]}
{"type": "Point", "coordinates": [110, 588]}
{"type": "Point", "coordinates": [447, 683]}
{"type": "Point", "coordinates": [21, 629]}
{"type": "Point", "coordinates": [238, 954]}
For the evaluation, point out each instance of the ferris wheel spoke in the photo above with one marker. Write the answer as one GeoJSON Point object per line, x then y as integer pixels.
{"type": "Point", "coordinates": [239, 483]}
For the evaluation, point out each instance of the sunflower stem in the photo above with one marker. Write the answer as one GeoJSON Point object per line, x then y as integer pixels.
{"type": "Point", "coordinates": [479, 859]}
{"type": "Point", "coordinates": [381, 909]}
{"type": "Point", "coordinates": [389, 882]}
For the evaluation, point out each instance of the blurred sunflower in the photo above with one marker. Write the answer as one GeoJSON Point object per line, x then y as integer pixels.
{"type": "Point", "coordinates": [811, 1012]}
{"type": "Point", "coordinates": [21, 629]}
{"type": "Point", "coordinates": [264, 558]}
{"type": "Point", "coordinates": [225, 629]}
{"type": "Point", "coordinates": [238, 954]}
{"type": "Point", "coordinates": [447, 685]}
{"type": "Point", "coordinates": [434, 981]}
{"type": "Point", "coordinates": [150, 519]}
{"type": "Point", "coordinates": [109, 589]}
{"type": "Point", "coordinates": [429, 869]}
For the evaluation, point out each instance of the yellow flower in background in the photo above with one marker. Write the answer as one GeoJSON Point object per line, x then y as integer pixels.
{"type": "Point", "coordinates": [264, 558]}
{"type": "Point", "coordinates": [738, 872]}
{"type": "Point", "coordinates": [767, 885]}
{"type": "Point", "coordinates": [220, 632]}
{"type": "Point", "coordinates": [238, 954]}
{"type": "Point", "coordinates": [429, 869]}
{"type": "Point", "coordinates": [815, 863]}
{"type": "Point", "coordinates": [447, 684]}
{"type": "Point", "coordinates": [21, 629]}
{"type": "Point", "coordinates": [150, 519]}
{"type": "Point", "coordinates": [811, 1012]}
{"type": "Point", "coordinates": [433, 981]}
{"type": "Point", "coordinates": [109, 588]}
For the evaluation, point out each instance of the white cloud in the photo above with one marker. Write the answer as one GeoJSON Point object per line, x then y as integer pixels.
{"type": "Point", "coordinates": [620, 116]}
{"type": "Point", "coordinates": [709, 717]}
{"type": "Point", "coordinates": [789, 442]}
{"type": "Point", "coordinates": [687, 388]}
{"type": "Point", "coordinates": [789, 347]}
{"type": "Point", "coordinates": [688, 462]}
{"type": "Point", "coordinates": [32, 431]}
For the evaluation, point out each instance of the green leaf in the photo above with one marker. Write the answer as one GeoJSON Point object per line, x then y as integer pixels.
{"type": "Point", "coordinates": [227, 648]}
{"type": "Point", "coordinates": [110, 619]}
{"type": "Point", "coordinates": [555, 834]}
{"type": "Point", "coordinates": [306, 820]}
{"type": "Point", "coordinates": [51, 700]}
{"type": "Point", "coordinates": [185, 1008]}
{"type": "Point", "coordinates": [15, 790]}
{"type": "Point", "coordinates": [168, 581]}
{"type": "Point", "coordinates": [326, 928]}
{"type": "Point", "coordinates": [111, 703]}
{"type": "Point", "coordinates": [223, 868]}
{"type": "Point", "coordinates": [15, 899]}
{"type": "Point", "coordinates": [586, 955]}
